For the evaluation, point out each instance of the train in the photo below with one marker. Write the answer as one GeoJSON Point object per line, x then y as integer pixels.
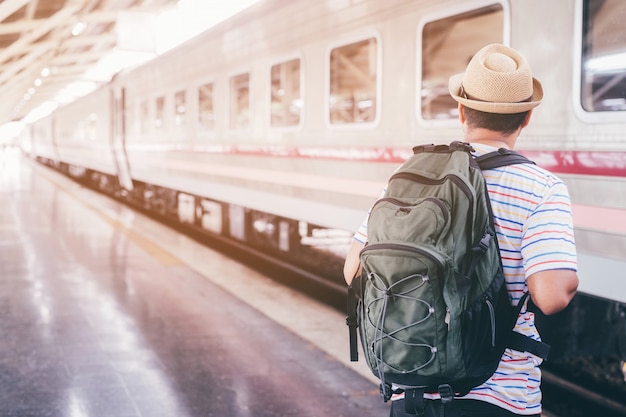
{"type": "Point", "coordinates": [284, 122]}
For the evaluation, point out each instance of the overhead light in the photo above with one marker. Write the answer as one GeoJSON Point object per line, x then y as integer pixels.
{"type": "Point", "coordinates": [40, 111]}
{"type": "Point", "coordinates": [74, 90]}
{"type": "Point", "coordinates": [192, 17]}
{"type": "Point", "coordinates": [172, 30]}
{"type": "Point", "coordinates": [78, 28]}
{"type": "Point", "coordinates": [114, 62]}
{"type": "Point", "coordinates": [9, 131]}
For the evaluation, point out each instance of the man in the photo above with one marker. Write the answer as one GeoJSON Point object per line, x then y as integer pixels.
{"type": "Point", "coordinates": [532, 214]}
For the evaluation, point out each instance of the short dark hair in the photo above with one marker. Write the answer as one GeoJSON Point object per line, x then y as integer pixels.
{"type": "Point", "coordinates": [505, 123]}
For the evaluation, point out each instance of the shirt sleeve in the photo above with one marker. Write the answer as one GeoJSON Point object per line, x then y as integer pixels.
{"type": "Point", "coordinates": [361, 234]}
{"type": "Point", "coordinates": [548, 238]}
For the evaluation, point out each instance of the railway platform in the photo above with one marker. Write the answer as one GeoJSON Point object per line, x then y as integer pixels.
{"type": "Point", "coordinates": [108, 313]}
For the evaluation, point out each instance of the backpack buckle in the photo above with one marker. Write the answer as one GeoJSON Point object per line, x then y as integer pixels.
{"type": "Point", "coordinates": [446, 393]}
{"type": "Point", "coordinates": [461, 146]}
{"type": "Point", "coordinates": [385, 391]}
{"type": "Point", "coordinates": [485, 242]}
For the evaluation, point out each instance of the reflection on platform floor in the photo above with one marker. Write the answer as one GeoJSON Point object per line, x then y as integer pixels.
{"type": "Point", "coordinates": [103, 317]}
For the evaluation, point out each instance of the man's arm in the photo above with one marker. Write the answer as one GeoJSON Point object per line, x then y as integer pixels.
{"type": "Point", "coordinates": [352, 264]}
{"type": "Point", "coordinates": [552, 290]}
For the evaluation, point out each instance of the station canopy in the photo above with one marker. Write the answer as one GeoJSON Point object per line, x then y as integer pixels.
{"type": "Point", "coordinates": [51, 49]}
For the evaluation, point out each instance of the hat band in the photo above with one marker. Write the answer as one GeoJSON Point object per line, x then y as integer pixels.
{"type": "Point", "coordinates": [463, 93]}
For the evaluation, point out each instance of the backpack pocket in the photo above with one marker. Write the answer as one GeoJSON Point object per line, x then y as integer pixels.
{"type": "Point", "coordinates": [482, 345]}
{"type": "Point", "coordinates": [425, 220]}
{"type": "Point", "coordinates": [402, 324]}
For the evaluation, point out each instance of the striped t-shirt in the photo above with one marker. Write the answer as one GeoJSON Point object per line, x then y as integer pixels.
{"type": "Point", "coordinates": [532, 215]}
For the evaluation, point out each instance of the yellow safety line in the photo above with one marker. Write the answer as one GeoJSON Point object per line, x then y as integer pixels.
{"type": "Point", "coordinates": [157, 252]}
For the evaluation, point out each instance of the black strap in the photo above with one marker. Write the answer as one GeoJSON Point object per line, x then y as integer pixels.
{"type": "Point", "coordinates": [523, 343]}
{"type": "Point", "coordinates": [620, 331]}
{"type": "Point", "coordinates": [501, 157]}
{"type": "Point", "coordinates": [352, 322]}
{"type": "Point", "coordinates": [414, 402]}
{"type": "Point", "coordinates": [517, 341]}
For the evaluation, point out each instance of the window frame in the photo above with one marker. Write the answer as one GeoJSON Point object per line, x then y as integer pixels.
{"type": "Point", "coordinates": [273, 63]}
{"type": "Point", "coordinates": [583, 114]}
{"type": "Point", "coordinates": [146, 120]}
{"type": "Point", "coordinates": [360, 37]}
{"type": "Point", "coordinates": [184, 127]}
{"type": "Point", "coordinates": [201, 132]}
{"type": "Point", "coordinates": [160, 130]}
{"type": "Point", "coordinates": [244, 71]}
{"type": "Point", "coordinates": [443, 14]}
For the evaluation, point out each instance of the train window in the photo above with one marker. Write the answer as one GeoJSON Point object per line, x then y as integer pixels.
{"type": "Point", "coordinates": [206, 117]}
{"type": "Point", "coordinates": [286, 104]}
{"type": "Point", "coordinates": [239, 116]}
{"type": "Point", "coordinates": [159, 116]}
{"type": "Point", "coordinates": [180, 110]}
{"type": "Point", "coordinates": [130, 113]}
{"type": "Point", "coordinates": [144, 112]}
{"type": "Point", "coordinates": [603, 69]}
{"type": "Point", "coordinates": [91, 127]}
{"type": "Point", "coordinates": [447, 46]}
{"type": "Point", "coordinates": [353, 82]}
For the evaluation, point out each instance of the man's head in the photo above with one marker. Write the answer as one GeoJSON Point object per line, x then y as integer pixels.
{"type": "Point", "coordinates": [497, 80]}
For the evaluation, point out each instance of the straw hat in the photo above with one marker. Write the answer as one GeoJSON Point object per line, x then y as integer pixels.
{"type": "Point", "coordinates": [497, 80]}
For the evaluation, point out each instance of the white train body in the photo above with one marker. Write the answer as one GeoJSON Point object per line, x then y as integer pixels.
{"type": "Point", "coordinates": [302, 109]}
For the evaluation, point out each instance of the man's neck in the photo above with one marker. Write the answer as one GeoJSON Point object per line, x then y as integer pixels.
{"type": "Point", "coordinates": [491, 138]}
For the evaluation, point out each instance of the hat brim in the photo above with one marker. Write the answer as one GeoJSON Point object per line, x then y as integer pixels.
{"type": "Point", "coordinates": [454, 86]}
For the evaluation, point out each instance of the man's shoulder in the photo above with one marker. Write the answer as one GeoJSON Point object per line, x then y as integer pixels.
{"type": "Point", "coordinates": [531, 169]}
{"type": "Point", "coordinates": [543, 175]}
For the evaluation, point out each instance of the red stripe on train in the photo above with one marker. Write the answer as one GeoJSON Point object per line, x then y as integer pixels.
{"type": "Point", "coordinates": [604, 163]}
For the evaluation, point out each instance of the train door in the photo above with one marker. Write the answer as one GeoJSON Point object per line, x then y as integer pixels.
{"type": "Point", "coordinates": [118, 138]}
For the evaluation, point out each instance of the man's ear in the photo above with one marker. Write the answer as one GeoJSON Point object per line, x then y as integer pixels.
{"type": "Point", "coordinates": [461, 113]}
{"type": "Point", "coordinates": [527, 119]}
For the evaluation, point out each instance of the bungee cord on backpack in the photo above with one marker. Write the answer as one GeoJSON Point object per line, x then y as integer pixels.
{"type": "Point", "coordinates": [382, 335]}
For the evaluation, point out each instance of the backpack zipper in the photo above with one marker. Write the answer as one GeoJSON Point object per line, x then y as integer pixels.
{"type": "Point", "coordinates": [492, 318]}
{"type": "Point", "coordinates": [400, 203]}
{"type": "Point", "coordinates": [430, 181]}
{"type": "Point", "coordinates": [400, 246]}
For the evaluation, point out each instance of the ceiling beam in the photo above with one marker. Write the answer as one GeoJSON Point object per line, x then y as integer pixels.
{"type": "Point", "coordinates": [31, 44]}
{"type": "Point", "coordinates": [25, 62]}
{"type": "Point", "coordinates": [25, 25]}
{"type": "Point", "coordinates": [31, 9]}
{"type": "Point", "coordinates": [64, 59]}
{"type": "Point", "coordinates": [8, 7]}
{"type": "Point", "coordinates": [51, 23]}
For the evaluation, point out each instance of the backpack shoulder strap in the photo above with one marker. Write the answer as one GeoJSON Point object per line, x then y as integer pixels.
{"type": "Point", "coordinates": [522, 343]}
{"type": "Point", "coordinates": [517, 341]}
{"type": "Point", "coordinates": [352, 321]}
{"type": "Point", "coordinates": [501, 157]}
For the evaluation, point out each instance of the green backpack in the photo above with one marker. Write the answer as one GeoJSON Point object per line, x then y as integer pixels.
{"type": "Point", "coordinates": [431, 303]}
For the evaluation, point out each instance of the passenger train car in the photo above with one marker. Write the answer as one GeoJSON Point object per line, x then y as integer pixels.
{"type": "Point", "coordinates": [287, 119]}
